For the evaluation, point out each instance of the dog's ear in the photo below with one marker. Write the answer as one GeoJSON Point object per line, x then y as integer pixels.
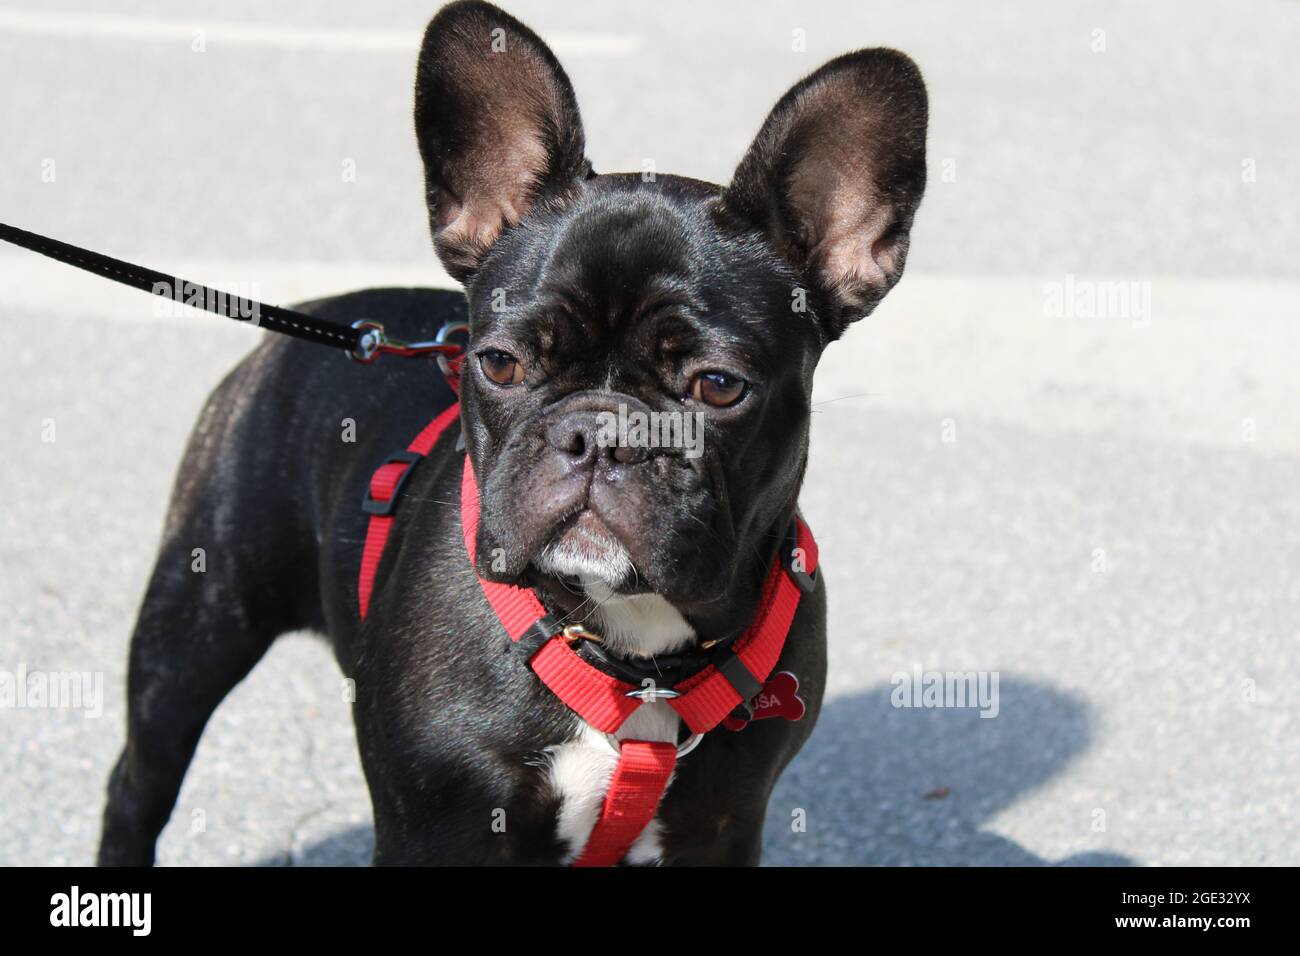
{"type": "Point", "coordinates": [835, 175]}
{"type": "Point", "coordinates": [498, 128]}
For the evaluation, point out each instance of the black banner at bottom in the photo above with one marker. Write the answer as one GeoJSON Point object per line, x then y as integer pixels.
{"type": "Point", "coordinates": [336, 905]}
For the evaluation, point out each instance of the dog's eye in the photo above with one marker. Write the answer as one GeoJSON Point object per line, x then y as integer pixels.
{"type": "Point", "coordinates": [718, 389]}
{"type": "Point", "coordinates": [501, 367]}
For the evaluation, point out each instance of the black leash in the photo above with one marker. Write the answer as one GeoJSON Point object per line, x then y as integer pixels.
{"type": "Point", "coordinates": [364, 340]}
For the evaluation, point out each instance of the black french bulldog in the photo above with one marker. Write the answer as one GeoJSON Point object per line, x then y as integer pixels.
{"type": "Point", "coordinates": [584, 293]}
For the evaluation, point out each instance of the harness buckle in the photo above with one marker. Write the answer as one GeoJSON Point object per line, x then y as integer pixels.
{"type": "Point", "coordinates": [536, 637]}
{"type": "Point", "coordinates": [379, 506]}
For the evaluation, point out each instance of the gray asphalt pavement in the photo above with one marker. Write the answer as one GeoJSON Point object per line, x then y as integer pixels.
{"type": "Point", "coordinates": [1098, 505]}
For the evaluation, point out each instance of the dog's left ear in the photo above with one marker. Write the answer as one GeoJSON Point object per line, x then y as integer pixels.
{"type": "Point", "coordinates": [498, 127]}
{"type": "Point", "coordinates": [835, 175]}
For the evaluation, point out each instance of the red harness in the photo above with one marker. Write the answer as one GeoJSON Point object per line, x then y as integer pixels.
{"type": "Point", "coordinates": [736, 675]}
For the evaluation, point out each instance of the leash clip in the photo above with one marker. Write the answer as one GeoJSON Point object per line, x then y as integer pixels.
{"type": "Point", "coordinates": [374, 341]}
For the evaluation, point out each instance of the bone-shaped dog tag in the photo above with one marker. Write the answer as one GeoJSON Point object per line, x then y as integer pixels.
{"type": "Point", "coordinates": [778, 698]}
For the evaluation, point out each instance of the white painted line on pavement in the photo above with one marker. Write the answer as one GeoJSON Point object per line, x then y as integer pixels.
{"type": "Point", "coordinates": [1215, 363]}
{"type": "Point", "coordinates": [280, 36]}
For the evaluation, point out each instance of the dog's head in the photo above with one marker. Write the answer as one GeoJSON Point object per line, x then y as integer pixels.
{"type": "Point", "coordinates": [637, 391]}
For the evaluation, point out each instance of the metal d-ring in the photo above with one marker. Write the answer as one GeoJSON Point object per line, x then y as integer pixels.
{"type": "Point", "coordinates": [576, 632]}
{"type": "Point", "coordinates": [648, 695]}
{"type": "Point", "coordinates": [685, 747]}
{"type": "Point", "coordinates": [688, 745]}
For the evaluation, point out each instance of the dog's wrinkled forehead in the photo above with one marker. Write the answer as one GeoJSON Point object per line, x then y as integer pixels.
{"type": "Point", "coordinates": [602, 257]}
{"type": "Point", "coordinates": [625, 252]}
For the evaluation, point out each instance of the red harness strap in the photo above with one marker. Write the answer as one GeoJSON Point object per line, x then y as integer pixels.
{"type": "Point", "coordinates": [382, 499]}
{"type": "Point", "coordinates": [644, 767]}
{"type": "Point", "coordinates": [639, 782]}
{"type": "Point", "coordinates": [710, 695]}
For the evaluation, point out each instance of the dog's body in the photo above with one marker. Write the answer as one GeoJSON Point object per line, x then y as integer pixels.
{"type": "Point", "coordinates": [451, 726]}
{"type": "Point", "coordinates": [585, 294]}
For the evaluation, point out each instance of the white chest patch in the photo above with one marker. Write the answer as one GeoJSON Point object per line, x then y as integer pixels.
{"type": "Point", "coordinates": [636, 625]}
{"type": "Point", "coordinates": [580, 771]}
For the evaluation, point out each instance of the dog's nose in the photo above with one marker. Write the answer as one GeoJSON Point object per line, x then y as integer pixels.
{"type": "Point", "coordinates": [584, 439]}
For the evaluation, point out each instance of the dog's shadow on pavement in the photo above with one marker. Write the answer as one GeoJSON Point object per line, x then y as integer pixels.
{"type": "Point", "coordinates": [885, 785]}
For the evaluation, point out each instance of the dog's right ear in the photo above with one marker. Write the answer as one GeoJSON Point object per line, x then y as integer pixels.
{"type": "Point", "coordinates": [498, 128]}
